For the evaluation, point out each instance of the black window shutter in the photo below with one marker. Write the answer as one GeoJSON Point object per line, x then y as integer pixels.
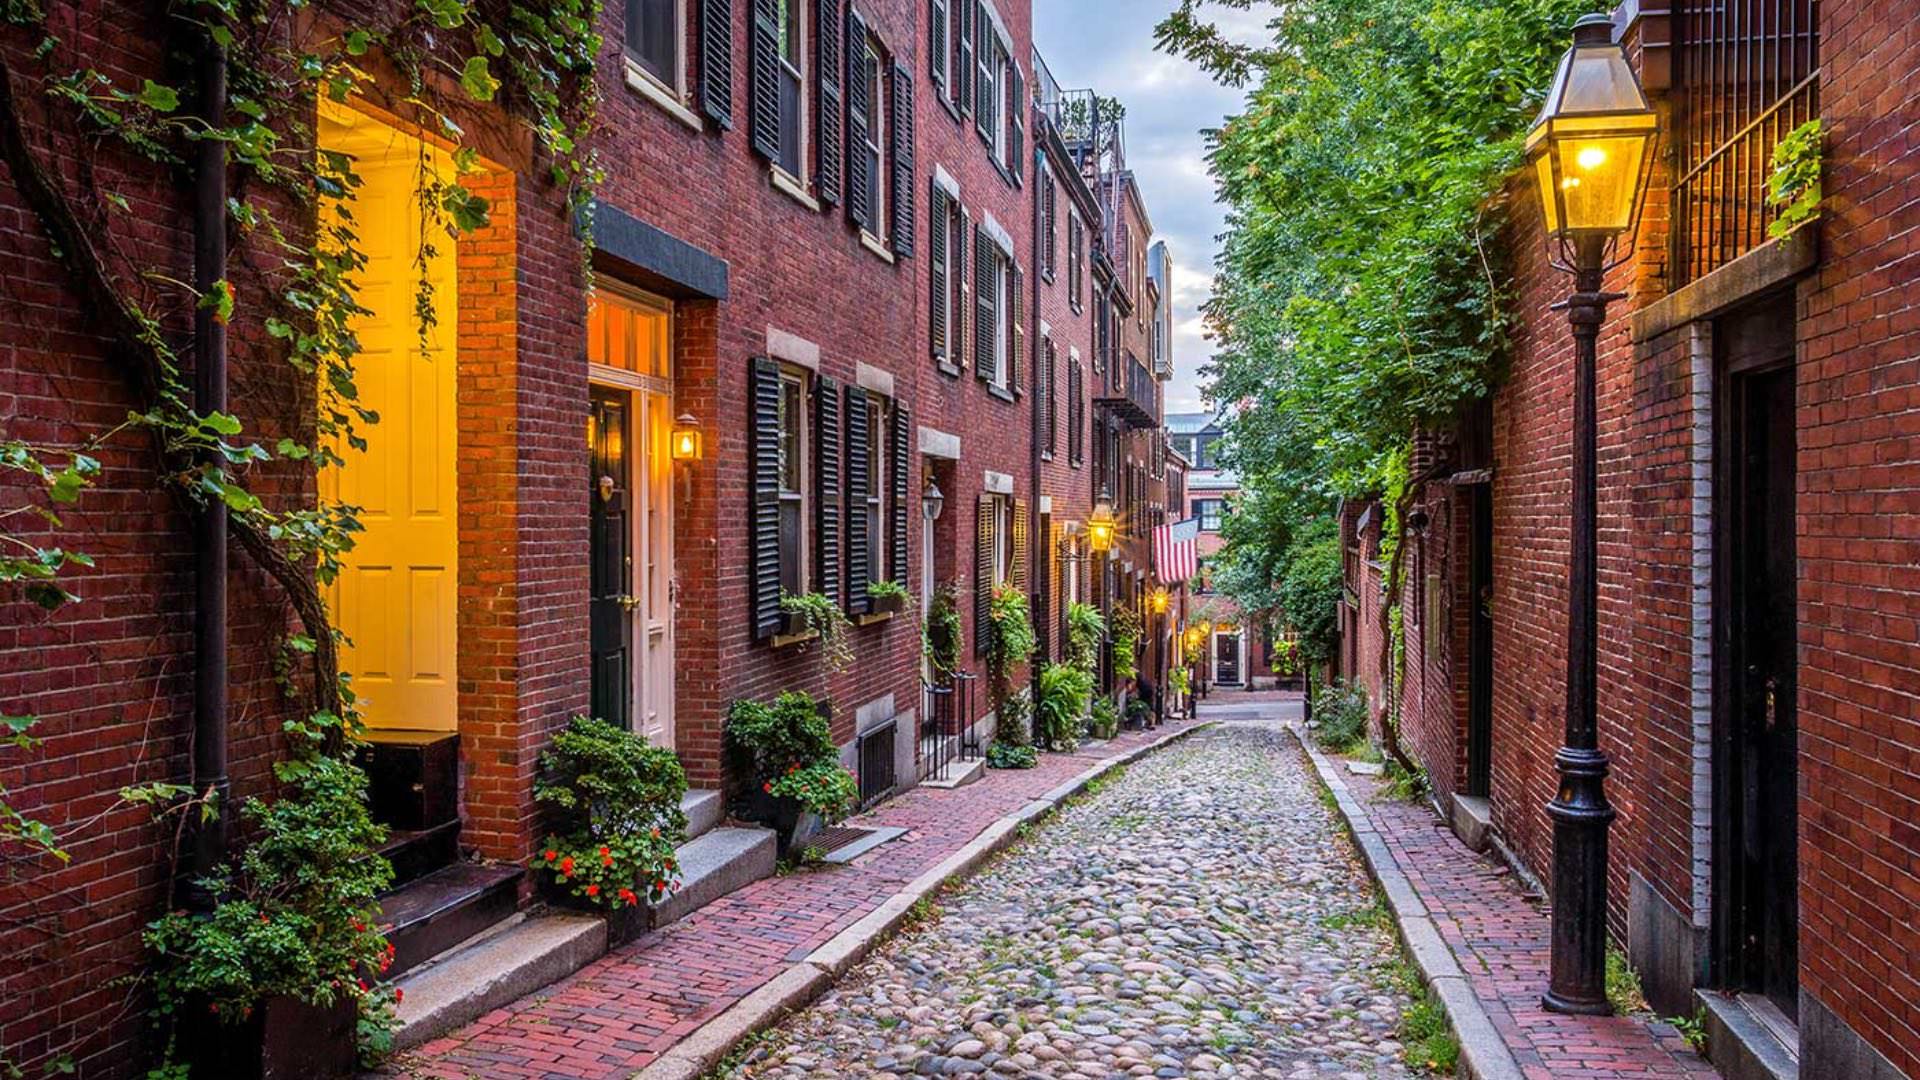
{"type": "Point", "coordinates": [937, 269]}
{"type": "Point", "coordinates": [1076, 448]}
{"type": "Point", "coordinates": [716, 60]}
{"type": "Point", "coordinates": [1051, 361]}
{"type": "Point", "coordinates": [903, 186]}
{"type": "Point", "coordinates": [1019, 575]}
{"type": "Point", "coordinates": [1051, 260]}
{"type": "Point", "coordinates": [763, 396]}
{"type": "Point", "coordinates": [827, 511]}
{"type": "Point", "coordinates": [957, 348]}
{"type": "Point", "coordinates": [766, 79]}
{"type": "Point", "coordinates": [901, 460]}
{"type": "Point", "coordinates": [859, 184]}
{"type": "Point", "coordinates": [983, 88]}
{"type": "Point", "coordinates": [1016, 329]}
{"type": "Point", "coordinates": [1017, 104]}
{"type": "Point", "coordinates": [966, 12]}
{"type": "Point", "coordinates": [982, 571]}
{"type": "Point", "coordinates": [983, 300]}
{"type": "Point", "coordinates": [859, 485]}
{"type": "Point", "coordinates": [937, 42]}
{"type": "Point", "coordinates": [829, 124]}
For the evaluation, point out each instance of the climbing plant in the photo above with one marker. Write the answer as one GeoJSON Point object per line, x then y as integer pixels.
{"type": "Point", "coordinates": [293, 914]}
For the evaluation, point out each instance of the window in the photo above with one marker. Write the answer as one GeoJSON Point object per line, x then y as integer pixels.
{"type": "Point", "coordinates": [873, 72]}
{"type": "Point", "coordinates": [1049, 235]}
{"type": "Point", "coordinates": [1076, 411]}
{"type": "Point", "coordinates": [939, 57]}
{"type": "Point", "coordinates": [1002, 510]}
{"type": "Point", "coordinates": [946, 271]}
{"type": "Point", "coordinates": [957, 284]}
{"type": "Point", "coordinates": [986, 79]}
{"type": "Point", "coordinates": [1050, 399]}
{"type": "Point", "coordinates": [792, 84]}
{"type": "Point", "coordinates": [877, 482]}
{"type": "Point", "coordinates": [653, 39]}
{"type": "Point", "coordinates": [1209, 513]}
{"type": "Point", "coordinates": [1204, 577]}
{"type": "Point", "coordinates": [793, 481]}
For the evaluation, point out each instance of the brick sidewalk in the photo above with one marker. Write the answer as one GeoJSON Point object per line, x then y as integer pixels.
{"type": "Point", "coordinates": [621, 1012]}
{"type": "Point", "coordinates": [1499, 936]}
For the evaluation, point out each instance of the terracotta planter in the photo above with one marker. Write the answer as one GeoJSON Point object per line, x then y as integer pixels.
{"type": "Point", "coordinates": [284, 1039]}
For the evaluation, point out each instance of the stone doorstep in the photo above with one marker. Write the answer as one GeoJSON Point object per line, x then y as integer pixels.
{"type": "Point", "coordinates": [1472, 820]}
{"type": "Point", "coordinates": [796, 986]}
{"type": "Point", "coordinates": [1748, 1038]}
{"type": "Point", "coordinates": [959, 774]}
{"type": "Point", "coordinates": [493, 968]}
{"type": "Point", "coordinates": [525, 953]}
{"type": "Point", "coordinates": [705, 809]}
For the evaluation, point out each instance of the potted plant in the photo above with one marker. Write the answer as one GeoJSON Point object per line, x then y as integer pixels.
{"type": "Point", "coordinates": [816, 613]}
{"type": "Point", "coordinates": [1059, 704]}
{"type": "Point", "coordinates": [617, 802]}
{"type": "Point", "coordinates": [942, 634]}
{"type": "Point", "coordinates": [791, 776]}
{"type": "Point", "coordinates": [888, 597]}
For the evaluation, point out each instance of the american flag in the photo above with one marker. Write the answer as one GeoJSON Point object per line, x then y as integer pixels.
{"type": "Point", "coordinates": [1174, 557]}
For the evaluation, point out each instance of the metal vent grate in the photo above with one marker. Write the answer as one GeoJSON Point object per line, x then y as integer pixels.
{"type": "Point", "coordinates": [876, 748]}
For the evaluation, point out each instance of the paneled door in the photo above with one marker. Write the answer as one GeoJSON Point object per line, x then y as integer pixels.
{"type": "Point", "coordinates": [629, 338]}
{"type": "Point", "coordinates": [396, 595]}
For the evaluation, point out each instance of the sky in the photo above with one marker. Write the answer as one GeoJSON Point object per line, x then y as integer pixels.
{"type": "Point", "coordinates": [1108, 45]}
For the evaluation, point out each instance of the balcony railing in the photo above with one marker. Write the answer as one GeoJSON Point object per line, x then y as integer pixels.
{"type": "Point", "coordinates": [1130, 393]}
{"type": "Point", "coordinates": [1748, 73]}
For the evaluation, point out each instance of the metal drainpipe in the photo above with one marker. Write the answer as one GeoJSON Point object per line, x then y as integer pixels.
{"type": "Point", "coordinates": [1037, 546]}
{"type": "Point", "coordinates": [209, 845]}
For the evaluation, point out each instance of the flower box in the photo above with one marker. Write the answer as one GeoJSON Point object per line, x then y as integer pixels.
{"type": "Point", "coordinates": [283, 1039]}
{"type": "Point", "coordinates": [887, 605]}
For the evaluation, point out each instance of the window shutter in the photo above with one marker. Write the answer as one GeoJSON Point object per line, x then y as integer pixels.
{"type": "Point", "coordinates": [985, 338]}
{"type": "Point", "coordinates": [859, 484]}
{"type": "Point", "coordinates": [957, 348]}
{"type": "Point", "coordinates": [902, 462]}
{"type": "Point", "coordinates": [827, 510]}
{"type": "Point", "coordinates": [763, 395]}
{"type": "Point", "coordinates": [1017, 136]}
{"type": "Point", "coordinates": [1048, 259]}
{"type": "Point", "coordinates": [937, 43]}
{"type": "Point", "coordinates": [903, 186]}
{"type": "Point", "coordinates": [1019, 574]}
{"type": "Point", "coordinates": [937, 270]}
{"type": "Point", "coordinates": [984, 80]}
{"type": "Point", "coordinates": [1053, 398]}
{"type": "Point", "coordinates": [716, 60]}
{"type": "Point", "coordinates": [968, 12]}
{"type": "Point", "coordinates": [828, 126]}
{"type": "Point", "coordinates": [1075, 448]}
{"type": "Point", "coordinates": [859, 184]}
{"type": "Point", "coordinates": [1016, 330]}
{"type": "Point", "coordinates": [766, 78]}
{"type": "Point", "coordinates": [982, 571]}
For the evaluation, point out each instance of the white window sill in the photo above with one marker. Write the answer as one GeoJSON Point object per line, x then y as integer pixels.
{"type": "Point", "coordinates": [654, 90]}
{"type": "Point", "coordinates": [875, 244]}
{"type": "Point", "coordinates": [793, 187]}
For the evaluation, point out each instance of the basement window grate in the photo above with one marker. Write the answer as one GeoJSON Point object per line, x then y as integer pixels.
{"type": "Point", "coordinates": [877, 779]}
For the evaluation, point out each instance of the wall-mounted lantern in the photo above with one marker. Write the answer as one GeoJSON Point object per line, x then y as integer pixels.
{"type": "Point", "coordinates": [686, 438]}
{"type": "Point", "coordinates": [931, 500]}
{"type": "Point", "coordinates": [1100, 528]}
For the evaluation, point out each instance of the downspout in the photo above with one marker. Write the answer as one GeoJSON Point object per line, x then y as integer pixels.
{"type": "Point", "coordinates": [209, 843]}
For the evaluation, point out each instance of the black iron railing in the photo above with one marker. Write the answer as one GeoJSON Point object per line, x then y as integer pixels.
{"type": "Point", "coordinates": [1131, 396]}
{"type": "Point", "coordinates": [946, 726]}
{"type": "Point", "coordinates": [1748, 73]}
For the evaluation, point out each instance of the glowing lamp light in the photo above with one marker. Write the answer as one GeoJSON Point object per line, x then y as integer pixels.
{"type": "Point", "coordinates": [1100, 528]}
{"type": "Point", "coordinates": [1160, 599]}
{"type": "Point", "coordinates": [686, 438]}
{"type": "Point", "coordinates": [1591, 145]}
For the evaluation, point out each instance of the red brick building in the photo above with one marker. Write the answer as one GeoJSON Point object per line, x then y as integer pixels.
{"type": "Point", "coordinates": [1758, 500]}
{"type": "Point", "coordinates": [838, 242]}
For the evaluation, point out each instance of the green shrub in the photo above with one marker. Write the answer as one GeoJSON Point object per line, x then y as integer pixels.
{"type": "Point", "coordinates": [618, 800]}
{"type": "Point", "coordinates": [824, 788]}
{"type": "Point", "coordinates": [1125, 627]}
{"type": "Point", "coordinates": [1061, 702]}
{"type": "Point", "coordinates": [1340, 716]}
{"type": "Point", "coordinates": [787, 747]}
{"type": "Point", "coordinates": [1002, 755]}
{"type": "Point", "coordinates": [1104, 720]}
{"type": "Point", "coordinates": [1085, 628]}
{"type": "Point", "coordinates": [1010, 641]}
{"type": "Point", "coordinates": [941, 636]}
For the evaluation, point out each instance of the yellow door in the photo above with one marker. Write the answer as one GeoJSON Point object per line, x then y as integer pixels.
{"type": "Point", "coordinates": [396, 596]}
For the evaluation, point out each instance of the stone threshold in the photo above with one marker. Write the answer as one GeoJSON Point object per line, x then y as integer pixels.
{"type": "Point", "coordinates": [707, 1045]}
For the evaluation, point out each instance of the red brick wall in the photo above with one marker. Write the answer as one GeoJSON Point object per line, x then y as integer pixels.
{"type": "Point", "coordinates": [1859, 447]}
{"type": "Point", "coordinates": [1435, 609]}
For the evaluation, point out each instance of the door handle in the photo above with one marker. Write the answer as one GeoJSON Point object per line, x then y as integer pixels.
{"type": "Point", "coordinates": [1772, 701]}
{"type": "Point", "coordinates": [628, 601]}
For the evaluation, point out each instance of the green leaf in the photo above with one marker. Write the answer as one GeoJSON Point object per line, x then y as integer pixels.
{"type": "Point", "coordinates": [159, 98]}
{"type": "Point", "coordinates": [357, 42]}
{"type": "Point", "coordinates": [477, 80]}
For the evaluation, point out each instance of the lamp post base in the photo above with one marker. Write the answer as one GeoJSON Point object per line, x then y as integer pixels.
{"type": "Point", "coordinates": [1581, 817]}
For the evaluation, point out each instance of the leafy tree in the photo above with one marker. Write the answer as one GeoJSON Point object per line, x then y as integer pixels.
{"type": "Point", "coordinates": [1309, 593]}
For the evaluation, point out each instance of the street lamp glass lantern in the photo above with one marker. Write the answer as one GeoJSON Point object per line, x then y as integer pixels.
{"type": "Point", "coordinates": [1591, 145]}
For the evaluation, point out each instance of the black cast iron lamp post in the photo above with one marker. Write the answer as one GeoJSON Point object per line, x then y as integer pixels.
{"type": "Point", "coordinates": [1591, 149]}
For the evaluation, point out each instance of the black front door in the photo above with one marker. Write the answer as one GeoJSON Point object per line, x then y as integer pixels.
{"type": "Point", "coordinates": [1226, 652]}
{"type": "Point", "coordinates": [1756, 782]}
{"type": "Point", "coordinates": [611, 559]}
{"type": "Point", "coordinates": [1480, 646]}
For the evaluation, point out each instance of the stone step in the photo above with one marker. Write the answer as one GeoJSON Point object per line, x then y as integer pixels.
{"type": "Point", "coordinates": [714, 865]}
{"type": "Point", "coordinates": [433, 913]}
{"type": "Point", "coordinates": [705, 809]}
{"type": "Point", "coordinates": [415, 853]}
{"type": "Point", "coordinates": [959, 774]}
{"type": "Point", "coordinates": [493, 968]}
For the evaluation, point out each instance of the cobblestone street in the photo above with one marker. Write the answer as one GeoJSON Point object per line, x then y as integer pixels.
{"type": "Point", "coordinates": [1200, 915]}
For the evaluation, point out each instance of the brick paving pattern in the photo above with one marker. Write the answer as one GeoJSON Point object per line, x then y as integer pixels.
{"type": "Point", "coordinates": [1499, 934]}
{"type": "Point", "coordinates": [624, 1010]}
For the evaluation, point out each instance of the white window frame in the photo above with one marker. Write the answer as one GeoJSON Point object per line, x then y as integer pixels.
{"type": "Point", "coordinates": [1002, 510]}
{"type": "Point", "coordinates": [878, 117]}
{"type": "Point", "coordinates": [1002, 312]}
{"type": "Point", "coordinates": [879, 459]}
{"type": "Point", "coordinates": [799, 378]}
{"type": "Point", "coordinates": [794, 182]}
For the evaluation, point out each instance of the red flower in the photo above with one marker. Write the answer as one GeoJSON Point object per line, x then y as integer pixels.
{"type": "Point", "coordinates": [606, 860]}
{"type": "Point", "coordinates": [604, 850]}
{"type": "Point", "coordinates": [767, 787]}
{"type": "Point", "coordinates": [593, 890]}
{"type": "Point", "coordinates": [363, 985]}
{"type": "Point", "coordinates": [656, 832]}
{"type": "Point", "coordinates": [552, 854]}
{"type": "Point", "coordinates": [566, 866]}
{"type": "Point", "coordinates": [399, 994]}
